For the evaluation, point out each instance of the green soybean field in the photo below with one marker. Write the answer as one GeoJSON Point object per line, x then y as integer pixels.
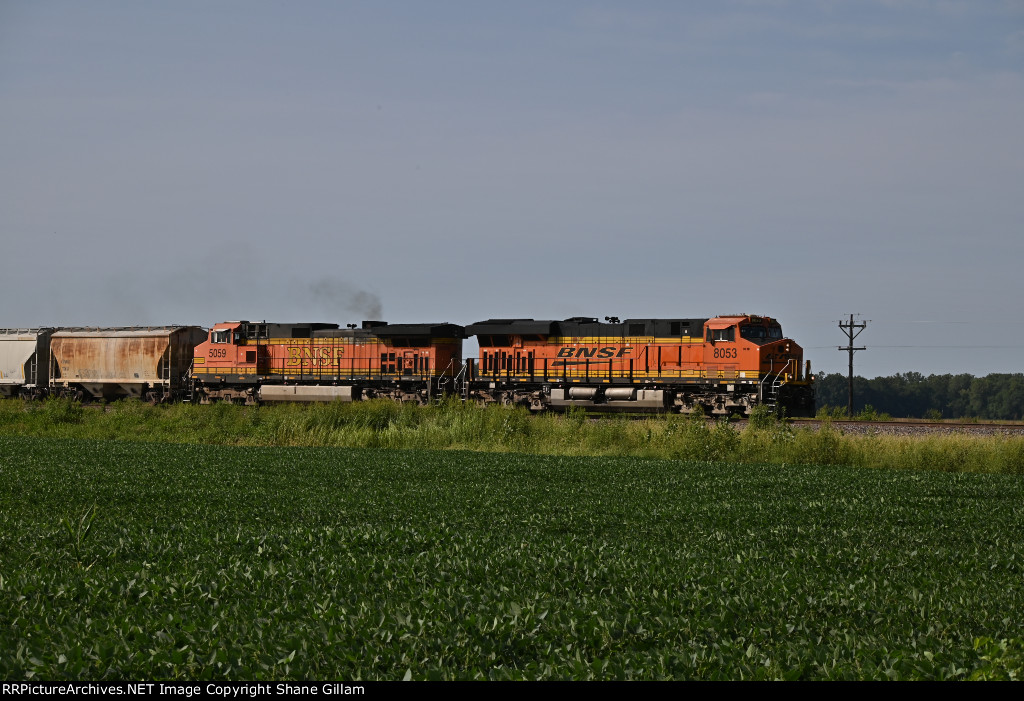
{"type": "Point", "coordinates": [125, 560]}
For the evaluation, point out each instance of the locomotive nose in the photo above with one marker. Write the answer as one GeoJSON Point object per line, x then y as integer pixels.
{"type": "Point", "coordinates": [776, 355]}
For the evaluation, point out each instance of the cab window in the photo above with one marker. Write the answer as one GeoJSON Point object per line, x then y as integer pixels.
{"type": "Point", "coordinates": [728, 334]}
{"type": "Point", "coordinates": [753, 333]}
{"type": "Point", "coordinates": [220, 336]}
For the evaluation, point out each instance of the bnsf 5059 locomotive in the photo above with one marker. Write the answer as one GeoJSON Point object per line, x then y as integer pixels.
{"type": "Point", "coordinates": [265, 362]}
{"type": "Point", "coordinates": [724, 365]}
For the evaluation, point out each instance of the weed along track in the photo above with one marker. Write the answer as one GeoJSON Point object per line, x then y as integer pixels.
{"type": "Point", "coordinates": [454, 425]}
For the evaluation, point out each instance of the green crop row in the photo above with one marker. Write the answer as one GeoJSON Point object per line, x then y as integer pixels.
{"type": "Point", "coordinates": [127, 560]}
{"type": "Point", "coordinates": [455, 426]}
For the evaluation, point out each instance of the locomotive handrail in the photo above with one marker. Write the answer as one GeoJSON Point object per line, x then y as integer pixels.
{"type": "Point", "coordinates": [760, 385]}
{"type": "Point", "coordinates": [788, 362]}
{"type": "Point", "coordinates": [776, 383]}
{"type": "Point", "coordinates": [458, 386]}
{"type": "Point", "coordinates": [441, 381]}
{"type": "Point", "coordinates": [768, 375]}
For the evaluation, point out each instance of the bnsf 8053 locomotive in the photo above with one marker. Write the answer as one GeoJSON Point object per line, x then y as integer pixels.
{"type": "Point", "coordinates": [723, 365]}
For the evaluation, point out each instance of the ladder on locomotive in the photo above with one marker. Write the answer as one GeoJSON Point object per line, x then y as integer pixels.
{"type": "Point", "coordinates": [442, 382]}
{"type": "Point", "coordinates": [770, 393]}
{"type": "Point", "coordinates": [452, 381]}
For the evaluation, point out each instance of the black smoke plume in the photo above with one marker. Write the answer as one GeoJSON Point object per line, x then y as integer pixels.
{"type": "Point", "coordinates": [334, 295]}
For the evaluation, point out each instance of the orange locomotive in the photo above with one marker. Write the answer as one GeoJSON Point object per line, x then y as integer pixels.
{"type": "Point", "coordinates": [241, 361]}
{"type": "Point", "coordinates": [725, 365]}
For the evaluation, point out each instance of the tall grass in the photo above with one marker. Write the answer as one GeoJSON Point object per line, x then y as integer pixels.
{"type": "Point", "coordinates": [457, 426]}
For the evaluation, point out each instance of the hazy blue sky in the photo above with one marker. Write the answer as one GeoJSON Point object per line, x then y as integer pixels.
{"type": "Point", "coordinates": [191, 162]}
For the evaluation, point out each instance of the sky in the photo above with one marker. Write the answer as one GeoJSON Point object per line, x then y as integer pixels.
{"type": "Point", "coordinates": [194, 162]}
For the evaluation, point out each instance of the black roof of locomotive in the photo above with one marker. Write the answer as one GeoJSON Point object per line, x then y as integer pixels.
{"type": "Point", "coordinates": [587, 326]}
{"type": "Point", "coordinates": [439, 329]}
{"type": "Point", "coordinates": [380, 329]}
{"type": "Point", "coordinates": [665, 327]}
{"type": "Point", "coordinates": [511, 327]}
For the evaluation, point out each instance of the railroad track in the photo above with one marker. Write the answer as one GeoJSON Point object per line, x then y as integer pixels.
{"type": "Point", "coordinates": [917, 427]}
{"type": "Point", "coordinates": [908, 427]}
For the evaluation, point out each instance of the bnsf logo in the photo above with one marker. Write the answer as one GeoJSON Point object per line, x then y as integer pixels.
{"type": "Point", "coordinates": [606, 352]}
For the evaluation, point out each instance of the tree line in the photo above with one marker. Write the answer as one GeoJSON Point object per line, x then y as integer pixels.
{"type": "Point", "coordinates": [912, 395]}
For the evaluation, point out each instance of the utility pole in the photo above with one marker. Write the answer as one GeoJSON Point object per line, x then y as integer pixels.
{"type": "Point", "coordinates": [851, 330]}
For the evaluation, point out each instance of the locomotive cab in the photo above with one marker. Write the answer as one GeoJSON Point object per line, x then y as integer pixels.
{"type": "Point", "coordinates": [783, 378]}
{"type": "Point", "coordinates": [780, 357]}
{"type": "Point", "coordinates": [752, 363]}
{"type": "Point", "coordinates": [726, 352]}
{"type": "Point", "coordinates": [225, 354]}
{"type": "Point", "coordinates": [756, 345]}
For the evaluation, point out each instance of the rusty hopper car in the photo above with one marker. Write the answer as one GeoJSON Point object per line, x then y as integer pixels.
{"type": "Point", "coordinates": [724, 365]}
{"type": "Point", "coordinates": [111, 363]}
{"type": "Point", "coordinates": [246, 362]}
{"type": "Point", "coordinates": [24, 362]}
